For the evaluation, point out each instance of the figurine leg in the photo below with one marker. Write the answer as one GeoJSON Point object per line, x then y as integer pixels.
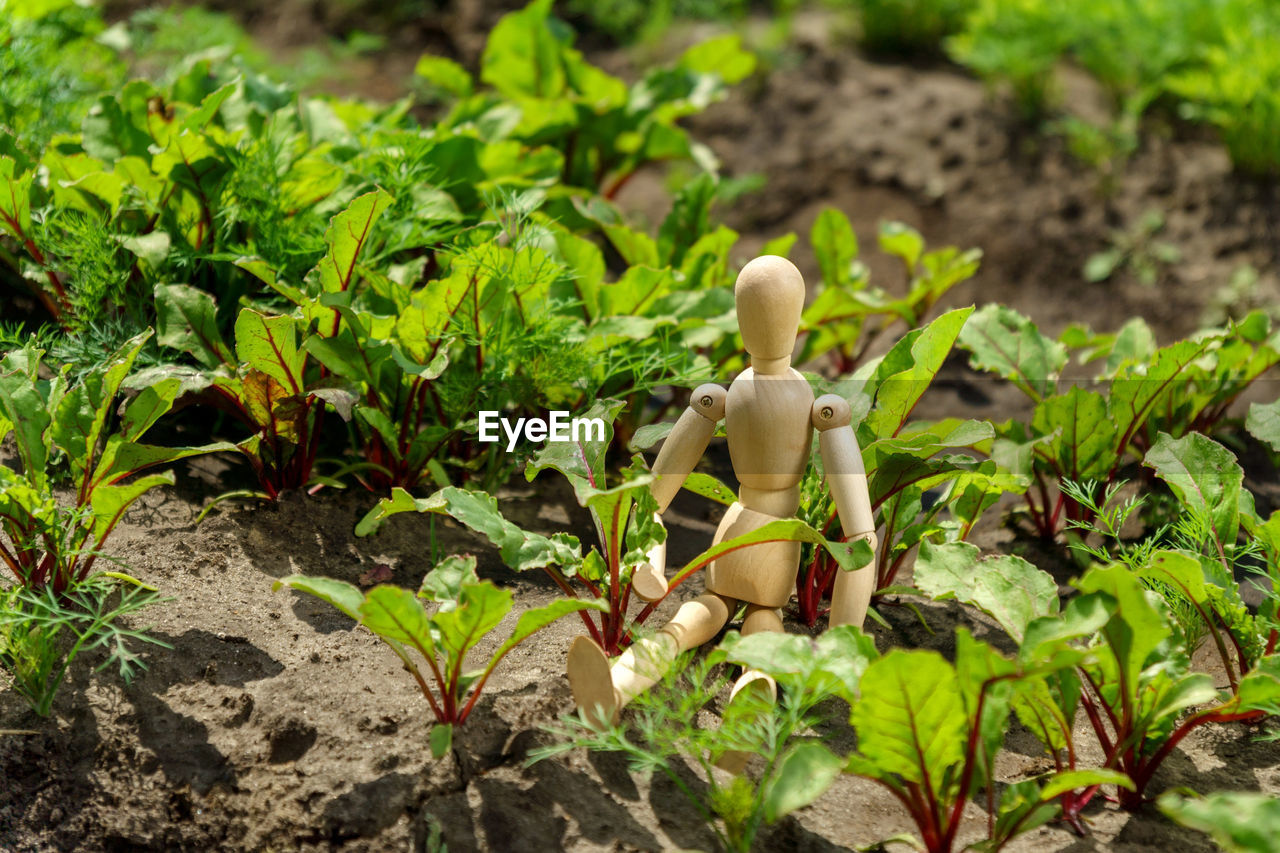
{"type": "Point", "coordinates": [601, 691]}
{"type": "Point", "coordinates": [753, 680]}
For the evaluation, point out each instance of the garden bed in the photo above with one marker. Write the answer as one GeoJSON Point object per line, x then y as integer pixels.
{"type": "Point", "coordinates": [272, 723]}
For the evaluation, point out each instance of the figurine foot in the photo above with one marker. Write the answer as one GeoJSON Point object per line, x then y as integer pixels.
{"type": "Point", "coordinates": [592, 684]}
{"type": "Point", "coordinates": [757, 683]}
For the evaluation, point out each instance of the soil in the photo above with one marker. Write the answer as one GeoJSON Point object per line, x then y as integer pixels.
{"type": "Point", "coordinates": [272, 724]}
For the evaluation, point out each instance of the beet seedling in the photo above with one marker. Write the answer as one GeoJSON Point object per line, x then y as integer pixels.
{"type": "Point", "coordinates": [50, 544]}
{"type": "Point", "coordinates": [451, 613]}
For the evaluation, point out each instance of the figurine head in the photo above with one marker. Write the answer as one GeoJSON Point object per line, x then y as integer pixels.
{"type": "Point", "coordinates": [770, 298]}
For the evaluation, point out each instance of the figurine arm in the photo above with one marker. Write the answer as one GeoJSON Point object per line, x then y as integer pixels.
{"type": "Point", "coordinates": [847, 479]}
{"type": "Point", "coordinates": [687, 442]}
{"type": "Point", "coordinates": [680, 453]}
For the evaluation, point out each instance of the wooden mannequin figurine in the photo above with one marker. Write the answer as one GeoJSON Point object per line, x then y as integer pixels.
{"type": "Point", "coordinates": [770, 415]}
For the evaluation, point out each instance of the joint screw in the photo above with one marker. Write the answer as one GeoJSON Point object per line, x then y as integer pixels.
{"type": "Point", "coordinates": [827, 412]}
{"type": "Point", "coordinates": [706, 401]}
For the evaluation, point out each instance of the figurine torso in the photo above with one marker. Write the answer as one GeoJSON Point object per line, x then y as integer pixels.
{"type": "Point", "coordinates": [767, 420]}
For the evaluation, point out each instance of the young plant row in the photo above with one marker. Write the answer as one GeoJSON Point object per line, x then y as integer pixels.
{"type": "Point", "coordinates": [1210, 61]}
{"type": "Point", "coordinates": [1116, 656]}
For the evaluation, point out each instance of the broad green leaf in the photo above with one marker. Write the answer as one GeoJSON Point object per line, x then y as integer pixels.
{"type": "Point", "coordinates": [582, 462]}
{"type": "Point", "coordinates": [120, 458]}
{"type": "Point", "coordinates": [1179, 570]}
{"type": "Point", "coordinates": [441, 739]}
{"type": "Point", "coordinates": [1004, 342]}
{"type": "Point", "coordinates": [1205, 476]}
{"type": "Point", "coordinates": [1263, 423]}
{"type": "Point", "coordinates": [1260, 688]}
{"type": "Point", "coordinates": [518, 548]}
{"type": "Point", "coordinates": [444, 74]}
{"type": "Point", "coordinates": [348, 234]}
{"type": "Point", "coordinates": [1005, 587]}
{"type": "Point", "coordinates": [269, 345]}
{"type": "Point", "coordinates": [27, 411]}
{"type": "Point", "coordinates": [1137, 387]}
{"type": "Point", "coordinates": [146, 408]}
{"type": "Point", "coordinates": [803, 774]}
{"type": "Point", "coordinates": [342, 595]}
{"type": "Point", "coordinates": [1069, 780]}
{"type": "Point", "coordinates": [831, 664]}
{"type": "Point", "coordinates": [986, 681]}
{"type": "Point", "coordinates": [1137, 626]}
{"type": "Point", "coordinates": [1048, 638]}
{"type": "Point", "coordinates": [910, 720]}
{"type": "Point", "coordinates": [81, 415]}
{"type": "Point", "coordinates": [908, 369]}
{"type": "Point", "coordinates": [1238, 821]}
{"type": "Point", "coordinates": [480, 608]}
{"type": "Point", "coordinates": [110, 502]}
{"type": "Point", "coordinates": [709, 487]}
{"type": "Point", "coordinates": [834, 246]}
{"type": "Point", "coordinates": [523, 56]}
{"type": "Point", "coordinates": [396, 614]}
{"type": "Point", "coordinates": [15, 199]}
{"type": "Point", "coordinates": [1083, 446]}
{"type": "Point", "coordinates": [444, 583]}
{"type": "Point", "coordinates": [186, 319]}
{"type": "Point", "coordinates": [903, 241]}
{"type": "Point", "coordinates": [722, 56]}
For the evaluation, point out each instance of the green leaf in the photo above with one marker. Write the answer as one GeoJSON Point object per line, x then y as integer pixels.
{"type": "Point", "coordinates": [110, 502]}
{"type": "Point", "coordinates": [518, 548]}
{"type": "Point", "coordinates": [269, 345]}
{"type": "Point", "coordinates": [834, 245]}
{"type": "Point", "coordinates": [1137, 387]}
{"type": "Point", "coordinates": [340, 594]}
{"type": "Point", "coordinates": [903, 241]}
{"type": "Point", "coordinates": [441, 739]}
{"type": "Point", "coordinates": [82, 413]}
{"type": "Point", "coordinates": [709, 487]}
{"type": "Point", "coordinates": [146, 408]}
{"type": "Point", "coordinates": [1263, 423]}
{"type": "Point", "coordinates": [1004, 342]}
{"type": "Point", "coordinates": [1083, 446]}
{"type": "Point", "coordinates": [1099, 267]}
{"type": "Point", "coordinates": [831, 664]}
{"type": "Point", "coordinates": [522, 57]}
{"type": "Point", "coordinates": [803, 774]}
{"type": "Point", "coordinates": [1205, 476]}
{"type": "Point", "coordinates": [444, 582]}
{"type": "Point", "coordinates": [910, 721]}
{"type": "Point", "coordinates": [186, 319]}
{"type": "Point", "coordinates": [582, 462]}
{"type": "Point", "coordinates": [1238, 821]}
{"type": "Point", "coordinates": [1069, 780]}
{"type": "Point", "coordinates": [1259, 690]}
{"type": "Point", "coordinates": [722, 56]}
{"type": "Point", "coordinates": [908, 369]}
{"type": "Point", "coordinates": [1137, 626]}
{"type": "Point", "coordinates": [395, 614]}
{"type": "Point", "coordinates": [480, 608]}
{"type": "Point", "coordinates": [1006, 587]}
{"type": "Point", "coordinates": [444, 74]}
{"type": "Point", "coordinates": [348, 234]}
